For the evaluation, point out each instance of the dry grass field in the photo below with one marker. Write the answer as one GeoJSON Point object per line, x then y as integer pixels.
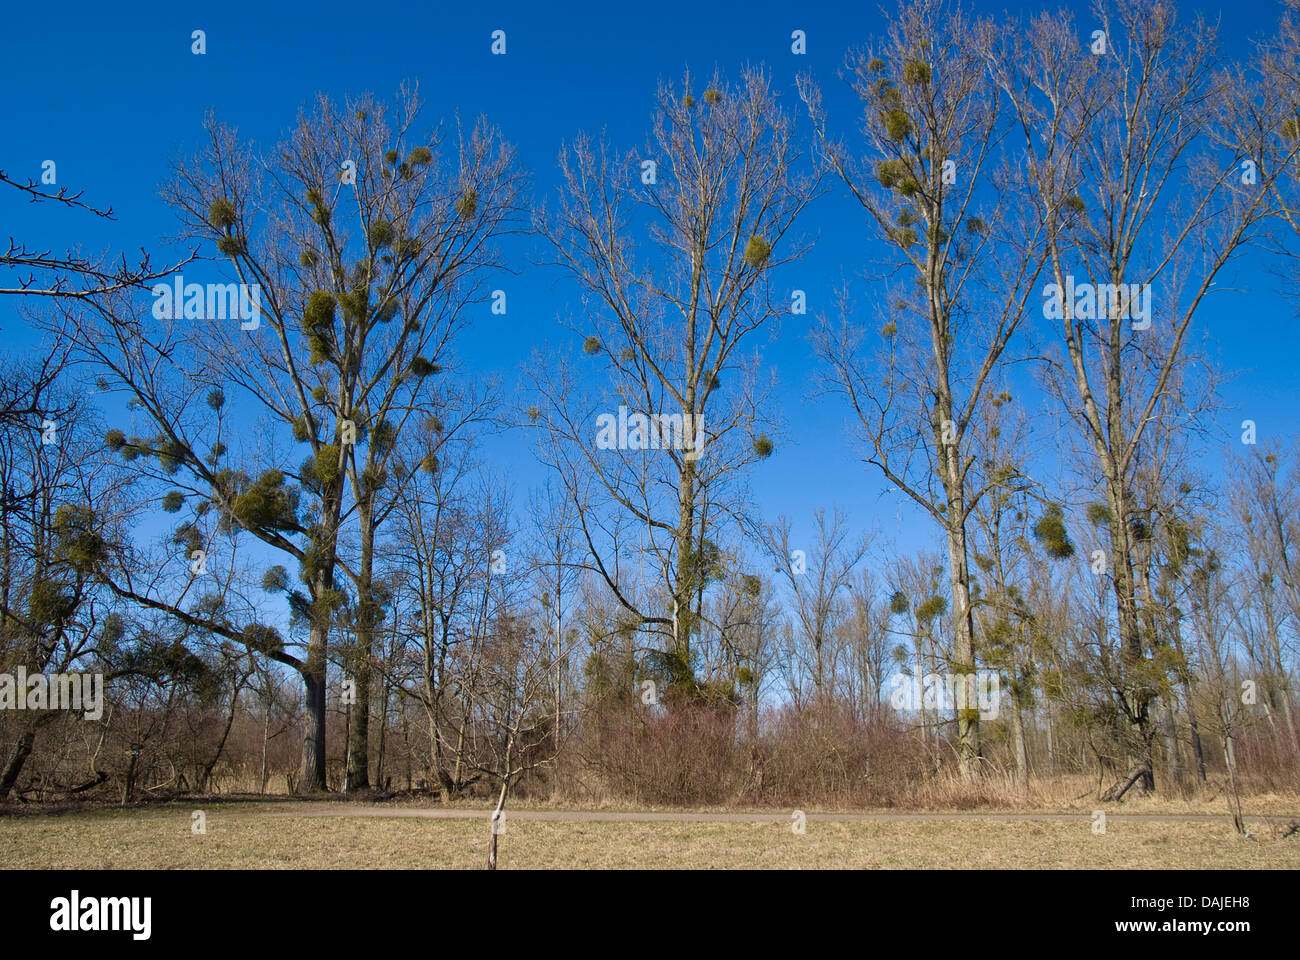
{"type": "Point", "coordinates": [372, 836]}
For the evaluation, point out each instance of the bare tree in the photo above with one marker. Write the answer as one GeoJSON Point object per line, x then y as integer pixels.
{"type": "Point", "coordinates": [818, 581]}
{"type": "Point", "coordinates": [932, 142]}
{"type": "Point", "coordinates": [557, 567]}
{"type": "Point", "coordinates": [1114, 147]}
{"type": "Point", "coordinates": [513, 694]}
{"type": "Point", "coordinates": [1266, 504]}
{"type": "Point", "coordinates": [450, 549]}
{"type": "Point", "coordinates": [866, 639]}
{"type": "Point", "coordinates": [715, 192]}
{"type": "Point", "coordinates": [60, 509]}
{"type": "Point", "coordinates": [363, 261]}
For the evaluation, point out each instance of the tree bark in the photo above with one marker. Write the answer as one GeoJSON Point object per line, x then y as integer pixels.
{"type": "Point", "coordinates": [1022, 751]}
{"type": "Point", "coordinates": [1135, 691]}
{"type": "Point", "coordinates": [17, 757]}
{"type": "Point", "coordinates": [358, 769]}
{"type": "Point", "coordinates": [311, 776]}
{"type": "Point", "coordinates": [680, 664]}
{"type": "Point", "coordinates": [968, 724]}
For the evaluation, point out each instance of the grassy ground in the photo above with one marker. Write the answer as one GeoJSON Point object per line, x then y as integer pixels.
{"type": "Point", "coordinates": [257, 835]}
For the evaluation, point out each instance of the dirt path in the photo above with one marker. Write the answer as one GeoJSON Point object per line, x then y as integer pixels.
{"type": "Point", "coordinates": [625, 816]}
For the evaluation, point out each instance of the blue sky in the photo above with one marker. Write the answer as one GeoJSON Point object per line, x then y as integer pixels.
{"type": "Point", "coordinates": [111, 95]}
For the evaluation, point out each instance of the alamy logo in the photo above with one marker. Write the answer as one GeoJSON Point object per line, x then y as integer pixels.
{"type": "Point", "coordinates": [1106, 301]}
{"type": "Point", "coordinates": [70, 914]}
{"type": "Point", "coordinates": [208, 301]}
{"type": "Point", "coordinates": [947, 691]}
{"type": "Point", "coordinates": [57, 691]}
{"type": "Point", "coordinates": [656, 431]}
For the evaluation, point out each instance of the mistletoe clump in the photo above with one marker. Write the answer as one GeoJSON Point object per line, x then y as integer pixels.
{"type": "Point", "coordinates": [757, 251]}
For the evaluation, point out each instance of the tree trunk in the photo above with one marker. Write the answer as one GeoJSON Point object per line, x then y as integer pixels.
{"type": "Point", "coordinates": [311, 775]}
{"type": "Point", "coordinates": [948, 454]}
{"type": "Point", "coordinates": [406, 742]}
{"type": "Point", "coordinates": [315, 672]}
{"type": "Point", "coordinates": [1022, 748]}
{"type": "Point", "coordinates": [383, 727]}
{"type": "Point", "coordinates": [358, 770]}
{"type": "Point", "coordinates": [266, 742]}
{"type": "Point", "coordinates": [1135, 692]}
{"type": "Point", "coordinates": [1197, 747]}
{"type": "Point", "coordinates": [1051, 746]}
{"type": "Point", "coordinates": [680, 662]}
{"type": "Point", "coordinates": [1171, 744]}
{"type": "Point", "coordinates": [347, 739]}
{"type": "Point", "coordinates": [1198, 751]}
{"type": "Point", "coordinates": [206, 774]}
{"type": "Point", "coordinates": [1234, 794]}
{"type": "Point", "coordinates": [128, 786]}
{"type": "Point", "coordinates": [17, 757]}
{"type": "Point", "coordinates": [497, 815]}
{"type": "Point", "coordinates": [1136, 776]}
{"type": "Point", "coordinates": [968, 724]}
